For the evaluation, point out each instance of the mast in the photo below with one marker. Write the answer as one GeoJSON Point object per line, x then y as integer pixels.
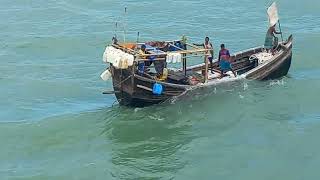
{"type": "Point", "coordinates": [124, 25]}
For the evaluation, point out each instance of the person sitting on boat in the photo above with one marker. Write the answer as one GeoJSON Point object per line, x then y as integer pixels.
{"type": "Point", "coordinates": [142, 50]}
{"type": "Point", "coordinates": [142, 53]}
{"type": "Point", "coordinates": [160, 66]}
{"type": "Point", "coordinates": [143, 65]}
{"type": "Point", "coordinates": [224, 61]}
{"type": "Point", "coordinates": [269, 40]}
{"type": "Point", "coordinates": [208, 45]}
{"type": "Point", "coordinates": [114, 40]}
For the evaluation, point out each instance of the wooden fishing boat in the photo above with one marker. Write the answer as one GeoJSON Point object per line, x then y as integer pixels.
{"type": "Point", "coordinates": [137, 89]}
{"type": "Point", "coordinates": [136, 84]}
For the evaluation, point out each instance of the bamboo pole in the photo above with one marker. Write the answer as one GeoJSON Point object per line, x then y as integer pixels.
{"type": "Point", "coordinates": [152, 54]}
{"type": "Point", "coordinates": [176, 46]}
{"type": "Point", "coordinates": [164, 53]}
{"type": "Point", "coordinates": [184, 64]}
{"type": "Point", "coordinates": [181, 52]}
{"type": "Point", "coordinates": [133, 70]}
{"type": "Point", "coordinates": [206, 68]}
{"type": "Point", "coordinates": [156, 59]}
{"type": "Point", "coordinates": [191, 45]}
{"type": "Point", "coordinates": [280, 30]}
{"type": "Point", "coordinates": [193, 51]}
{"type": "Point", "coordinates": [123, 48]}
{"type": "Point", "coordinates": [161, 59]}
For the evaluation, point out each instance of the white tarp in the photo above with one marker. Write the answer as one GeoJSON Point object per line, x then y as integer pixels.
{"type": "Point", "coordinates": [273, 14]}
{"type": "Point", "coordinates": [118, 58]}
{"type": "Point", "coordinates": [174, 58]}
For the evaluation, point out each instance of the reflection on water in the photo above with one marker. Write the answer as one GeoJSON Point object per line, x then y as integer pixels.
{"type": "Point", "coordinates": [151, 142]}
{"type": "Point", "coordinates": [147, 142]}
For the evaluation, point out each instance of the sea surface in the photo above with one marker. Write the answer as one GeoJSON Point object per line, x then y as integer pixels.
{"type": "Point", "coordinates": [56, 124]}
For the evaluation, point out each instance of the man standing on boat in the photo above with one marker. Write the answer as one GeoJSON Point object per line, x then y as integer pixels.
{"type": "Point", "coordinates": [208, 45]}
{"type": "Point", "coordinates": [270, 39]}
{"type": "Point", "coordinates": [224, 61]}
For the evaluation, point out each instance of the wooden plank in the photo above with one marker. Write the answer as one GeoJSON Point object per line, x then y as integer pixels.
{"type": "Point", "coordinates": [144, 87]}
{"type": "Point", "coordinates": [149, 89]}
{"type": "Point", "coordinates": [110, 92]}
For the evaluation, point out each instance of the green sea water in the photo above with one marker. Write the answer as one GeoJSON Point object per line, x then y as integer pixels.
{"type": "Point", "coordinates": [56, 124]}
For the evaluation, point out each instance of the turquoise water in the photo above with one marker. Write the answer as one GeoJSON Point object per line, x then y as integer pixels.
{"type": "Point", "coordinates": [56, 124]}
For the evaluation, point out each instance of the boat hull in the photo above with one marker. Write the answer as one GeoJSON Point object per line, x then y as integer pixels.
{"type": "Point", "coordinates": [281, 71]}
{"type": "Point", "coordinates": [135, 90]}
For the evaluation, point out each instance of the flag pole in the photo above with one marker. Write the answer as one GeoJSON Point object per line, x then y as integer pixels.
{"type": "Point", "coordinates": [280, 30]}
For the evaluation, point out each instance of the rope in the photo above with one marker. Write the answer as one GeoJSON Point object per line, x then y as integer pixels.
{"type": "Point", "coordinates": [115, 102]}
{"type": "Point", "coordinates": [117, 85]}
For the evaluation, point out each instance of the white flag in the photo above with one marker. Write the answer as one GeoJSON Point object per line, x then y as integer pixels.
{"type": "Point", "coordinates": [273, 14]}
